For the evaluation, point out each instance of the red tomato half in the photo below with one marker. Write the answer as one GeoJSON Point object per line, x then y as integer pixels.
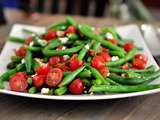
{"type": "Point", "coordinates": [43, 69]}
{"type": "Point", "coordinates": [54, 60]}
{"type": "Point", "coordinates": [104, 71]}
{"type": "Point", "coordinates": [28, 40]}
{"type": "Point", "coordinates": [105, 56]}
{"type": "Point", "coordinates": [50, 35]}
{"type": "Point", "coordinates": [128, 46]}
{"type": "Point", "coordinates": [142, 57]}
{"type": "Point", "coordinates": [21, 52]}
{"type": "Point", "coordinates": [76, 86]}
{"type": "Point", "coordinates": [38, 80]}
{"type": "Point", "coordinates": [21, 74]}
{"type": "Point", "coordinates": [140, 61]}
{"type": "Point", "coordinates": [70, 29]}
{"type": "Point", "coordinates": [113, 41]}
{"type": "Point", "coordinates": [54, 77]}
{"type": "Point", "coordinates": [18, 83]}
{"type": "Point", "coordinates": [98, 62]}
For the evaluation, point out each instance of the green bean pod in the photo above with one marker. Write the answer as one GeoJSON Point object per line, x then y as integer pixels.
{"type": "Point", "coordinates": [28, 61]}
{"type": "Point", "coordinates": [71, 21]}
{"type": "Point", "coordinates": [58, 26]}
{"type": "Point", "coordinates": [16, 39]}
{"type": "Point", "coordinates": [60, 91]}
{"type": "Point", "coordinates": [68, 78]}
{"type": "Point", "coordinates": [62, 52]}
{"type": "Point", "coordinates": [122, 89]}
{"type": "Point", "coordinates": [33, 49]}
{"type": "Point", "coordinates": [32, 90]}
{"type": "Point", "coordinates": [96, 47]}
{"type": "Point", "coordinates": [53, 44]}
{"type": "Point", "coordinates": [116, 53]}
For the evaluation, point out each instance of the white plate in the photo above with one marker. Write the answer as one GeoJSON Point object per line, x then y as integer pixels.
{"type": "Point", "coordinates": [129, 31]}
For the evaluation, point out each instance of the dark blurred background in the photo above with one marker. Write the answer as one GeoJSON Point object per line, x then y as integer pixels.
{"type": "Point", "coordinates": [12, 11]}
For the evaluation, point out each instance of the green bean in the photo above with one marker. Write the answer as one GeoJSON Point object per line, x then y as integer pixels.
{"type": "Point", "coordinates": [16, 59]}
{"type": "Point", "coordinates": [16, 39]}
{"type": "Point", "coordinates": [53, 44]}
{"type": "Point", "coordinates": [33, 49]}
{"type": "Point", "coordinates": [122, 89]}
{"type": "Point", "coordinates": [96, 47]}
{"type": "Point", "coordinates": [68, 78]}
{"type": "Point", "coordinates": [60, 91]}
{"type": "Point", "coordinates": [134, 80]}
{"type": "Point", "coordinates": [35, 64]}
{"type": "Point", "coordinates": [51, 91]}
{"type": "Point", "coordinates": [11, 65]}
{"type": "Point", "coordinates": [119, 70]}
{"type": "Point", "coordinates": [97, 75]}
{"type": "Point", "coordinates": [32, 90]}
{"type": "Point", "coordinates": [121, 61]}
{"type": "Point", "coordinates": [29, 81]}
{"type": "Point", "coordinates": [112, 82]}
{"type": "Point", "coordinates": [29, 31]}
{"type": "Point", "coordinates": [62, 52]}
{"type": "Point", "coordinates": [96, 82]}
{"type": "Point", "coordinates": [87, 32]}
{"type": "Point", "coordinates": [84, 51]}
{"type": "Point", "coordinates": [28, 61]}
{"type": "Point", "coordinates": [86, 82]}
{"type": "Point", "coordinates": [116, 53]}
{"type": "Point", "coordinates": [58, 26]}
{"type": "Point", "coordinates": [71, 21]}
{"type": "Point", "coordinates": [38, 41]}
{"type": "Point", "coordinates": [72, 36]}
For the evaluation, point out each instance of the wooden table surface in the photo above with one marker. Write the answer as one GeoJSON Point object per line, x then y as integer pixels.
{"type": "Point", "coordinates": [20, 108]}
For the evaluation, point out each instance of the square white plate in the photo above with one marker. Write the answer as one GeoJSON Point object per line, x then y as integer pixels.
{"type": "Point", "coordinates": [129, 31]}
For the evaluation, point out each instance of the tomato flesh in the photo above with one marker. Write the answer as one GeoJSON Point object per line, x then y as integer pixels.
{"type": "Point", "coordinates": [21, 52]}
{"type": "Point", "coordinates": [54, 60]}
{"type": "Point", "coordinates": [43, 69]}
{"type": "Point", "coordinates": [98, 62]}
{"type": "Point", "coordinates": [140, 61]}
{"type": "Point", "coordinates": [104, 71]}
{"type": "Point", "coordinates": [28, 41]}
{"type": "Point", "coordinates": [76, 86]}
{"type": "Point", "coordinates": [18, 83]}
{"type": "Point", "coordinates": [38, 80]}
{"type": "Point", "coordinates": [54, 77]}
{"type": "Point", "coordinates": [70, 29]}
{"type": "Point", "coordinates": [50, 35]}
{"type": "Point", "coordinates": [142, 57]}
{"type": "Point", "coordinates": [105, 56]}
{"type": "Point", "coordinates": [128, 46]}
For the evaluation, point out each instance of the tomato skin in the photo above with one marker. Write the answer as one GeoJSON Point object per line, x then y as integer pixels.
{"type": "Point", "coordinates": [105, 56]}
{"type": "Point", "coordinates": [21, 74]}
{"type": "Point", "coordinates": [70, 29]}
{"type": "Point", "coordinates": [21, 52]}
{"type": "Point", "coordinates": [75, 63]}
{"type": "Point", "coordinates": [128, 46]}
{"type": "Point", "coordinates": [18, 83]}
{"type": "Point", "coordinates": [91, 52]}
{"type": "Point", "coordinates": [50, 35]}
{"type": "Point", "coordinates": [38, 80]}
{"type": "Point", "coordinates": [76, 86]}
{"type": "Point", "coordinates": [43, 69]}
{"type": "Point", "coordinates": [98, 62]}
{"type": "Point", "coordinates": [63, 66]}
{"type": "Point", "coordinates": [104, 71]}
{"type": "Point", "coordinates": [125, 66]}
{"type": "Point", "coordinates": [54, 77]}
{"type": "Point", "coordinates": [54, 60]}
{"type": "Point", "coordinates": [28, 41]}
{"type": "Point", "coordinates": [142, 57]}
{"type": "Point", "coordinates": [113, 41]}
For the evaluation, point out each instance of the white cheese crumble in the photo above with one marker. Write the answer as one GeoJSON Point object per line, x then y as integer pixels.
{"type": "Point", "coordinates": [23, 61]}
{"type": "Point", "coordinates": [63, 48]}
{"type": "Point", "coordinates": [115, 58]}
{"type": "Point", "coordinates": [60, 33]}
{"type": "Point", "coordinates": [31, 43]}
{"type": "Point", "coordinates": [64, 39]}
{"type": "Point", "coordinates": [87, 47]}
{"type": "Point", "coordinates": [44, 90]}
{"type": "Point", "coordinates": [66, 57]}
{"type": "Point", "coordinates": [108, 36]}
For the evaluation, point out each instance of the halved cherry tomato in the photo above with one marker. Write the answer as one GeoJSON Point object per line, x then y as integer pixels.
{"type": "Point", "coordinates": [76, 86]}
{"type": "Point", "coordinates": [105, 56]}
{"type": "Point", "coordinates": [98, 62]}
{"type": "Point", "coordinates": [63, 66]}
{"type": "Point", "coordinates": [74, 63]}
{"type": "Point", "coordinates": [22, 74]}
{"type": "Point", "coordinates": [18, 83]}
{"type": "Point", "coordinates": [70, 29]}
{"type": "Point", "coordinates": [91, 52]}
{"type": "Point", "coordinates": [50, 35]}
{"type": "Point", "coordinates": [113, 41]}
{"type": "Point", "coordinates": [21, 52]}
{"type": "Point", "coordinates": [54, 60]}
{"type": "Point", "coordinates": [125, 66]}
{"type": "Point", "coordinates": [38, 80]}
{"type": "Point", "coordinates": [103, 49]}
{"type": "Point", "coordinates": [128, 46]}
{"type": "Point", "coordinates": [54, 77]}
{"type": "Point", "coordinates": [43, 69]}
{"type": "Point", "coordinates": [60, 47]}
{"type": "Point", "coordinates": [104, 71]}
{"type": "Point", "coordinates": [28, 40]}
{"type": "Point", "coordinates": [139, 64]}
{"type": "Point", "coordinates": [142, 57]}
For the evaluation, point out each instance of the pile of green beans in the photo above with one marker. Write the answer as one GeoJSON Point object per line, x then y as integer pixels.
{"type": "Point", "coordinates": [86, 44]}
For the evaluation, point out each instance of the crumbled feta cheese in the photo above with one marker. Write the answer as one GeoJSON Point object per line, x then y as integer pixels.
{"type": "Point", "coordinates": [108, 36]}
{"type": "Point", "coordinates": [60, 33]}
{"type": "Point", "coordinates": [22, 61]}
{"type": "Point", "coordinates": [115, 58]}
{"type": "Point", "coordinates": [108, 74]}
{"type": "Point", "coordinates": [87, 47]}
{"type": "Point", "coordinates": [44, 90]}
{"type": "Point", "coordinates": [63, 48]}
{"type": "Point", "coordinates": [31, 43]}
{"type": "Point", "coordinates": [64, 39]}
{"type": "Point", "coordinates": [66, 57]}
{"type": "Point", "coordinates": [93, 29]}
